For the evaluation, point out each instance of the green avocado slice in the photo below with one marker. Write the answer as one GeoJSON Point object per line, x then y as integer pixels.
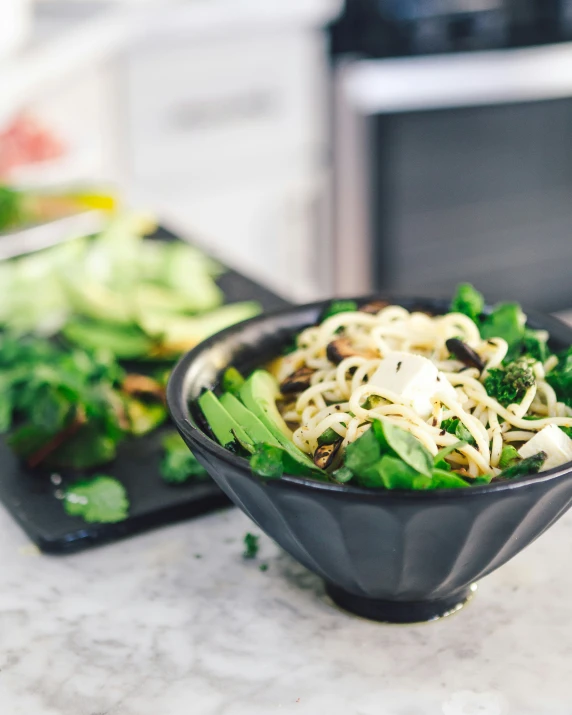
{"type": "Point", "coordinates": [225, 428]}
{"type": "Point", "coordinates": [250, 422]}
{"type": "Point", "coordinates": [259, 394]}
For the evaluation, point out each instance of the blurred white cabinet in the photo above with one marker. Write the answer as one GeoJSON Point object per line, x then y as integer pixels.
{"type": "Point", "coordinates": [230, 131]}
{"type": "Point", "coordinates": [268, 229]}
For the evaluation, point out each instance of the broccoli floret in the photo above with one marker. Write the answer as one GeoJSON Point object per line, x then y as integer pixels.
{"type": "Point", "coordinates": [468, 301]}
{"type": "Point", "coordinates": [509, 384]}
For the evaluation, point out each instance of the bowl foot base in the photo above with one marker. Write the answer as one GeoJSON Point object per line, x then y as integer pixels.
{"type": "Point", "coordinates": [399, 611]}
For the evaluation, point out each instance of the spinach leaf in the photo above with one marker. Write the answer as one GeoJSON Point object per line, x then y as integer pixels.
{"type": "Point", "coordinates": [506, 321]}
{"type": "Point", "coordinates": [439, 459]}
{"type": "Point", "coordinates": [456, 427]}
{"type": "Point", "coordinates": [441, 479]}
{"type": "Point", "coordinates": [468, 301]}
{"type": "Point", "coordinates": [395, 473]}
{"type": "Point", "coordinates": [363, 453]}
{"type": "Point", "coordinates": [407, 447]}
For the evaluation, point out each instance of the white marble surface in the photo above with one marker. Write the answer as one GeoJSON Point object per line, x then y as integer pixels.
{"type": "Point", "coordinates": [143, 627]}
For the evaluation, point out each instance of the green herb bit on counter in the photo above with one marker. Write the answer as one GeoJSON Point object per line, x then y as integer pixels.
{"type": "Point", "coordinates": [99, 500]}
{"type": "Point", "coordinates": [250, 546]}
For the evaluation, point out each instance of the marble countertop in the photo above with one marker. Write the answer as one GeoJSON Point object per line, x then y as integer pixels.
{"type": "Point", "coordinates": [176, 622]}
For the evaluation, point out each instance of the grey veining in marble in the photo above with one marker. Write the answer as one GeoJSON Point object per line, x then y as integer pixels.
{"type": "Point", "coordinates": [144, 627]}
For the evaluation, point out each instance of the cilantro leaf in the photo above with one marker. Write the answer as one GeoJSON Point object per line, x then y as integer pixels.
{"type": "Point", "coordinates": [100, 500]}
{"type": "Point", "coordinates": [179, 464]}
{"type": "Point", "coordinates": [468, 301]}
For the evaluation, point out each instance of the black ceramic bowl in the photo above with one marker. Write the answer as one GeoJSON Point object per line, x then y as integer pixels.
{"type": "Point", "coordinates": [387, 555]}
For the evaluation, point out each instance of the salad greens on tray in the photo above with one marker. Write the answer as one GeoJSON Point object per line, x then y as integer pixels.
{"type": "Point", "coordinates": [89, 331]}
{"type": "Point", "coordinates": [378, 396]}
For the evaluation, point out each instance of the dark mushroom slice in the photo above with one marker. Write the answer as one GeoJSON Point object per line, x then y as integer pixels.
{"type": "Point", "coordinates": [325, 454]}
{"type": "Point", "coordinates": [297, 381]}
{"type": "Point", "coordinates": [373, 307]}
{"type": "Point", "coordinates": [465, 354]}
{"type": "Point", "coordinates": [341, 349]}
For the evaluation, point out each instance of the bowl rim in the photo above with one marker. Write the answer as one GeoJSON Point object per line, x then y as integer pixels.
{"type": "Point", "coordinates": [178, 407]}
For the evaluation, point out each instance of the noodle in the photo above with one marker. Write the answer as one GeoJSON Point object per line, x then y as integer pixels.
{"type": "Point", "coordinates": [340, 397]}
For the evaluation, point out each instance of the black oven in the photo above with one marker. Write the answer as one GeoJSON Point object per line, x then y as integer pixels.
{"type": "Point", "coordinates": [456, 167]}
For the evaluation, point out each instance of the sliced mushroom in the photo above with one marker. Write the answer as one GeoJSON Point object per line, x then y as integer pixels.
{"type": "Point", "coordinates": [143, 385]}
{"type": "Point", "coordinates": [373, 307]}
{"type": "Point", "coordinates": [325, 454]}
{"type": "Point", "coordinates": [341, 349]}
{"type": "Point", "coordinates": [465, 354]}
{"type": "Point", "coordinates": [297, 381]}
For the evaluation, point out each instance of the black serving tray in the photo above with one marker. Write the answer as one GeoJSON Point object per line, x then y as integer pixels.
{"type": "Point", "coordinates": [33, 498]}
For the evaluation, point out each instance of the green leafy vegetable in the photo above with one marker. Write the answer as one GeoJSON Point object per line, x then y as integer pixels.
{"type": "Point", "coordinates": [560, 378]}
{"type": "Point", "coordinates": [535, 345]}
{"type": "Point", "coordinates": [456, 427]}
{"type": "Point", "coordinates": [339, 306]}
{"type": "Point", "coordinates": [232, 381]}
{"type": "Point", "coordinates": [329, 436]}
{"type": "Point", "coordinates": [343, 475]}
{"type": "Point", "coordinates": [271, 462]}
{"type": "Point", "coordinates": [530, 465]}
{"type": "Point", "coordinates": [250, 546]}
{"type": "Point", "coordinates": [394, 473]}
{"type": "Point", "coordinates": [442, 479]}
{"type": "Point", "coordinates": [507, 321]}
{"type": "Point", "coordinates": [363, 453]}
{"type": "Point", "coordinates": [179, 464]}
{"type": "Point", "coordinates": [509, 456]}
{"type": "Point", "coordinates": [267, 461]}
{"type": "Point", "coordinates": [439, 459]}
{"type": "Point", "coordinates": [100, 500]}
{"type": "Point", "coordinates": [468, 301]}
{"type": "Point", "coordinates": [509, 385]}
{"type": "Point", "coordinates": [407, 447]}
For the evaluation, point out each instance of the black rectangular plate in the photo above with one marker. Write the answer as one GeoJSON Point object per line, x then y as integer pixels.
{"type": "Point", "coordinates": [32, 497]}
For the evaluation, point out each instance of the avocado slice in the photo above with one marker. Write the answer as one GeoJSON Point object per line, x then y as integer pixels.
{"type": "Point", "coordinates": [259, 394]}
{"type": "Point", "coordinates": [250, 422]}
{"type": "Point", "coordinates": [225, 428]}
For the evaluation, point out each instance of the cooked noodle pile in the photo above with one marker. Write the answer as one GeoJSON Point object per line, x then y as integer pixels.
{"type": "Point", "coordinates": [340, 398]}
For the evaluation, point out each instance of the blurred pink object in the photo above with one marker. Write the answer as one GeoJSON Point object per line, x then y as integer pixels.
{"type": "Point", "coordinates": [26, 141]}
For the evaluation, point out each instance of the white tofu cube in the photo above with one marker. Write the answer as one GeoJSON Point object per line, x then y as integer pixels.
{"type": "Point", "coordinates": [414, 378]}
{"type": "Point", "coordinates": [552, 440]}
